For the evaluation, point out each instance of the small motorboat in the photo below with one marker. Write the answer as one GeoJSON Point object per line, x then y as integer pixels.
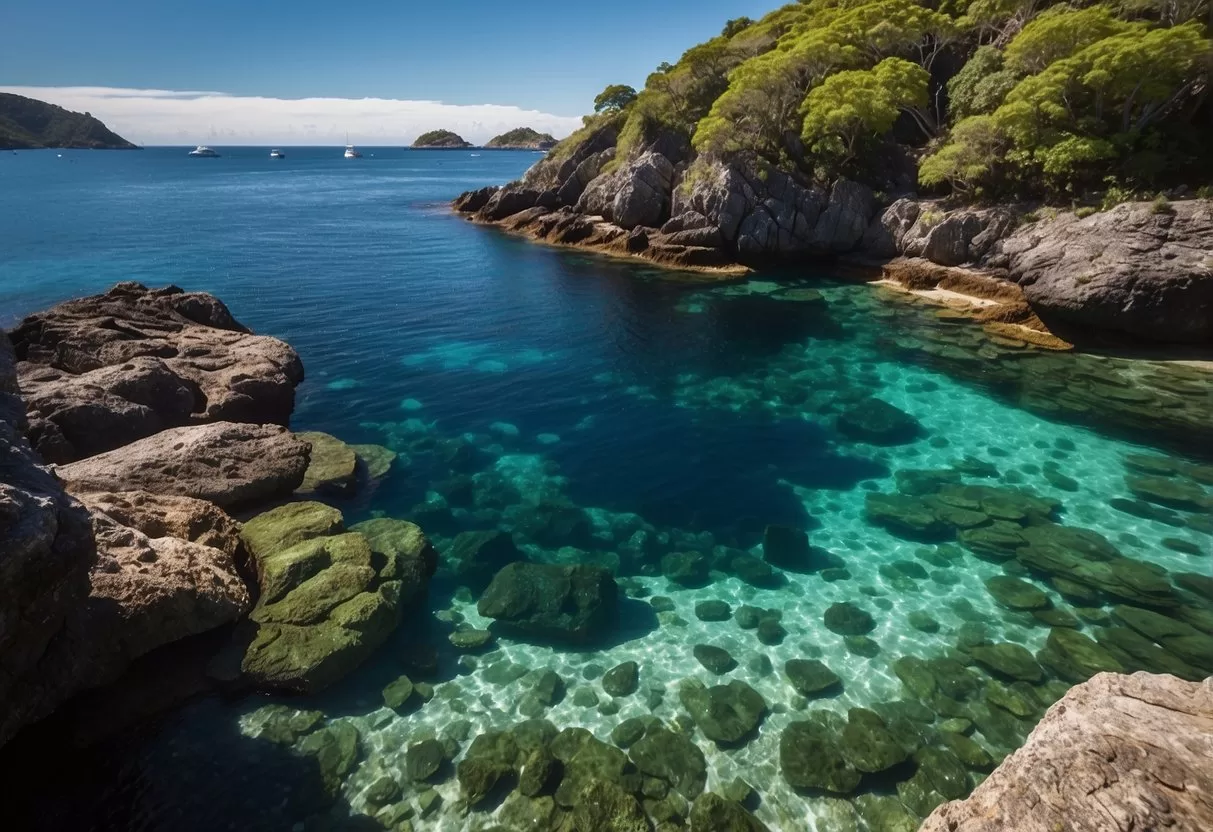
{"type": "Point", "coordinates": [277, 154]}
{"type": "Point", "coordinates": [204, 152]}
{"type": "Point", "coordinates": [350, 152]}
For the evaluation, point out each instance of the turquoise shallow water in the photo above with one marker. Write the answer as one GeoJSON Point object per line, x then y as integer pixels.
{"type": "Point", "coordinates": [520, 384]}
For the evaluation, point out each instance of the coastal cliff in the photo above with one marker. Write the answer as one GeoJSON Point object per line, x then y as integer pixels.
{"type": "Point", "coordinates": [26, 123]}
{"type": "Point", "coordinates": [746, 152]}
{"type": "Point", "coordinates": [165, 417]}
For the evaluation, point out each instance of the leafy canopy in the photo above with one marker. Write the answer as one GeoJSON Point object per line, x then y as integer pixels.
{"type": "Point", "coordinates": [614, 98]}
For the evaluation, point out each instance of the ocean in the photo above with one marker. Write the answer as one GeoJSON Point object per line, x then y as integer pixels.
{"type": "Point", "coordinates": [692, 412]}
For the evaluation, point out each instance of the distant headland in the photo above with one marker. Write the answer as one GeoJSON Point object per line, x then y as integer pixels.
{"type": "Point", "coordinates": [26, 123]}
{"type": "Point", "coordinates": [441, 139]}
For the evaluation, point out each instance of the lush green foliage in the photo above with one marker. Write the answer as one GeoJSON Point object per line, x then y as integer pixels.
{"type": "Point", "coordinates": [614, 98]}
{"type": "Point", "coordinates": [987, 98]}
{"type": "Point", "coordinates": [27, 123]}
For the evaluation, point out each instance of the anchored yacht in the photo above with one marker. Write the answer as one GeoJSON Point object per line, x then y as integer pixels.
{"type": "Point", "coordinates": [277, 154]}
{"type": "Point", "coordinates": [350, 152]}
{"type": "Point", "coordinates": [202, 151]}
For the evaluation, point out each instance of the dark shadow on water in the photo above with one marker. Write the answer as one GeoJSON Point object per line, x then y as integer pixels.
{"type": "Point", "coordinates": [716, 470]}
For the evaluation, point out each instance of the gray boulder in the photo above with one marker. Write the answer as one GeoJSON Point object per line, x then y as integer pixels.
{"type": "Point", "coordinates": [1135, 269]}
{"type": "Point", "coordinates": [842, 224]}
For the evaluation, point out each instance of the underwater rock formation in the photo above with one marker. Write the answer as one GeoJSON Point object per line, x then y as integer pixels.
{"type": "Point", "coordinates": [1115, 753]}
{"type": "Point", "coordinates": [103, 371]}
{"type": "Point", "coordinates": [561, 603]}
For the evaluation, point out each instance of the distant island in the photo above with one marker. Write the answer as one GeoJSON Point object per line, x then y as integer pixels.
{"type": "Point", "coordinates": [523, 138]}
{"type": "Point", "coordinates": [26, 123]}
{"type": "Point", "coordinates": [436, 139]}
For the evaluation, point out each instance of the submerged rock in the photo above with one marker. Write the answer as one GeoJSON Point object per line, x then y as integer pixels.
{"type": "Point", "coordinates": [671, 757]}
{"type": "Point", "coordinates": [724, 713]}
{"type": "Point", "coordinates": [810, 756]}
{"type": "Point", "coordinates": [877, 422]}
{"type": "Point", "coordinates": [812, 678]}
{"type": "Point", "coordinates": [332, 467]}
{"type": "Point", "coordinates": [562, 603]}
{"type": "Point", "coordinates": [1135, 743]}
{"type": "Point", "coordinates": [622, 680]}
{"type": "Point", "coordinates": [716, 659]}
{"type": "Point", "coordinates": [475, 557]}
{"type": "Point", "coordinates": [846, 619]}
{"type": "Point", "coordinates": [788, 548]}
{"type": "Point", "coordinates": [1015, 594]}
{"type": "Point", "coordinates": [712, 813]}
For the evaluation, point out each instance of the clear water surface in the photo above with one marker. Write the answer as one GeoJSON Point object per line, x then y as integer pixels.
{"type": "Point", "coordinates": [693, 413]}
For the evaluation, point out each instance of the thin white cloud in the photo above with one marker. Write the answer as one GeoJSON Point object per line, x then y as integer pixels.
{"type": "Point", "coordinates": [152, 117]}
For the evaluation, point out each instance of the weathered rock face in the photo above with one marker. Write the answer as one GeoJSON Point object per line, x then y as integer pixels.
{"type": "Point", "coordinates": [226, 463]}
{"type": "Point", "coordinates": [1133, 269]}
{"type": "Point", "coordinates": [1116, 753]}
{"type": "Point", "coordinates": [46, 550]}
{"type": "Point", "coordinates": [103, 371]}
{"type": "Point", "coordinates": [637, 194]}
{"type": "Point", "coordinates": [155, 581]}
{"type": "Point", "coordinates": [949, 238]}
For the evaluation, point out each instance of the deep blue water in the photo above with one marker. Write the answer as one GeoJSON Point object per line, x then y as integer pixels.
{"type": "Point", "coordinates": [556, 378]}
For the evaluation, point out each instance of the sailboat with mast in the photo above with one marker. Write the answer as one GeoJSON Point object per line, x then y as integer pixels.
{"type": "Point", "coordinates": [350, 152]}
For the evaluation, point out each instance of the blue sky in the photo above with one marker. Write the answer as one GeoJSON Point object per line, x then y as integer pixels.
{"type": "Point", "coordinates": [547, 57]}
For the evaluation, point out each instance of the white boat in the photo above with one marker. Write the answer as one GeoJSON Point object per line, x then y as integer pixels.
{"type": "Point", "coordinates": [350, 152]}
{"type": "Point", "coordinates": [277, 154]}
{"type": "Point", "coordinates": [203, 151]}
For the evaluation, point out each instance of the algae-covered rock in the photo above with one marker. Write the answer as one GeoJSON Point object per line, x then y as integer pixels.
{"type": "Point", "coordinates": [404, 551]}
{"type": "Point", "coordinates": [885, 813]}
{"type": "Point", "coordinates": [916, 676]}
{"type": "Point", "coordinates": [398, 692]}
{"type": "Point", "coordinates": [540, 772]}
{"type": "Point", "coordinates": [1177, 637]}
{"type": "Point", "coordinates": [1075, 657]}
{"type": "Point", "coordinates": [910, 517]}
{"type": "Point", "coordinates": [687, 569]}
{"type": "Point", "coordinates": [755, 572]}
{"type": "Point", "coordinates": [771, 632]}
{"type": "Point", "coordinates": [560, 603]}
{"type": "Point", "coordinates": [332, 467]}
{"type": "Point", "coordinates": [968, 751]}
{"type": "Point", "coordinates": [944, 771]}
{"type": "Point", "coordinates": [810, 756]}
{"type": "Point", "coordinates": [323, 610]}
{"type": "Point", "coordinates": [716, 659]}
{"type": "Point", "coordinates": [724, 713]}
{"type": "Point", "coordinates": [1015, 594]}
{"type": "Point", "coordinates": [492, 756]}
{"type": "Point", "coordinates": [336, 749]}
{"type": "Point", "coordinates": [290, 524]}
{"type": "Point", "coordinates": [470, 640]}
{"type": "Point", "coordinates": [1012, 661]}
{"type": "Point", "coordinates": [713, 610]}
{"type": "Point", "coordinates": [923, 621]}
{"type": "Point", "coordinates": [867, 743]}
{"type": "Point", "coordinates": [424, 759]}
{"type": "Point", "coordinates": [713, 813]}
{"type": "Point", "coordinates": [622, 679]}
{"type": "Point", "coordinates": [1017, 699]}
{"type": "Point", "coordinates": [376, 459]}
{"type": "Point", "coordinates": [1171, 492]}
{"type": "Point", "coordinates": [847, 619]}
{"type": "Point", "coordinates": [671, 757]}
{"type": "Point", "coordinates": [587, 759]}
{"type": "Point", "coordinates": [812, 678]}
{"type": "Point", "coordinates": [603, 805]}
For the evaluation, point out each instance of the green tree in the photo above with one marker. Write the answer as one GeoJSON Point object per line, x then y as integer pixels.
{"type": "Point", "coordinates": [736, 25]}
{"type": "Point", "coordinates": [968, 161]}
{"type": "Point", "coordinates": [1060, 32]}
{"type": "Point", "coordinates": [851, 106]}
{"type": "Point", "coordinates": [614, 98]}
{"type": "Point", "coordinates": [981, 85]}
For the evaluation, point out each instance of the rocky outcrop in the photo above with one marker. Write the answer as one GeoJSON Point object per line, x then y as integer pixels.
{"type": "Point", "coordinates": [570, 604]}
{"type": "Point", "coordinates": [87, 586]}
{"type": "Point", "coordinates": [1115, 754]}
{"type": "Point", "coordinates": [46, 551]}
{"type": "Point", "coordinates": [1141, 269]}
{"type": "Point", "coordinates": [101, 372]}
{"type": "Point", "coordinates": [231, 465]}
{"type": "Point", "coordinates": [911, 228]}
{"type": "Point", "coordinates": [329, 598]}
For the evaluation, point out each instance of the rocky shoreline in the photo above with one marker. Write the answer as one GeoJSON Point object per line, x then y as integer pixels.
{"type": "Point", "coordinates": [161, 414]}
{"type": "Point", "coordinates": [1139, 271]}
{"type": "Point", "coordinates": [183, 515]}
